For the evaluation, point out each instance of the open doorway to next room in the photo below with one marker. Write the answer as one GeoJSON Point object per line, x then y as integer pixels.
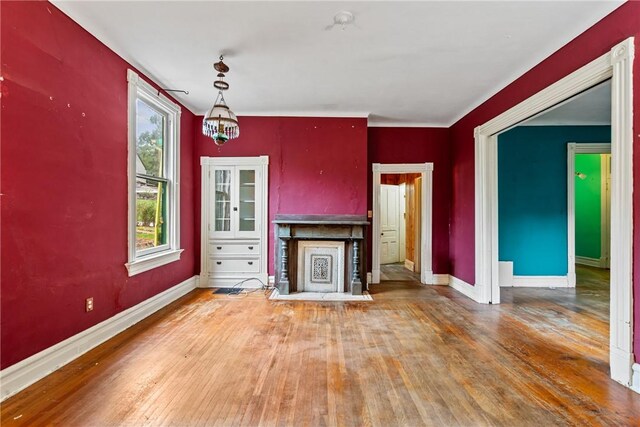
{"type": "Point", "coordinates": [554, 174]}
{"type": "Point", "coordinates": [400, 201]}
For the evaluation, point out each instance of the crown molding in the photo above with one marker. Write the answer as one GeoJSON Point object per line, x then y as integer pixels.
{"type": "Point", "coordinates": [336, 114]}
{"type": "Point", "coordinates": [392, 124]}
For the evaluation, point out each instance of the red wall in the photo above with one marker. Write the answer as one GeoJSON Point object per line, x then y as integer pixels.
{"type": "Point", "coordinates": [418, 145]}
{"type": "Point", "coordinates": [316, 165]}
{"type": "Point", "coordinates": [64, 183]}
{"type": "Point", "coordinates": [599, 39]}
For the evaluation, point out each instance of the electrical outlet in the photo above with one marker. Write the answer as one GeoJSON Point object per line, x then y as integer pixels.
{"type": "Point", "coordinates": [88, 305]}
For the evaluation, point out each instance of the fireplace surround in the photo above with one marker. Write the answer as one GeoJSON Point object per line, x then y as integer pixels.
{"type": "Point", "coordinates": [296, 233]}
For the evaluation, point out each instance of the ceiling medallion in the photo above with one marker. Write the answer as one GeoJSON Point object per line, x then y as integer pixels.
{"type": "Point", "coordinates": [220, 124]}
{"type": "Point", "coordinates": [342, 19]}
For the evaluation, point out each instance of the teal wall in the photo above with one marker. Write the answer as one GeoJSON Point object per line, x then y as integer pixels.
{"type": "Point", "coordinates": [588, 200]}
{"type": "Point", "coordinates": [532, 195]}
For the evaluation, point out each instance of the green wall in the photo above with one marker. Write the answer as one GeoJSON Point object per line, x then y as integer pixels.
{"type": "Point", "coordinates": [588, 205]}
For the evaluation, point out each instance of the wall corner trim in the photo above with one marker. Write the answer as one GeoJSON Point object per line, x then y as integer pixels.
{"type": "Point", "coordinates": [26, 372]}
{"type": "Point", "coordinates": [464, 288]}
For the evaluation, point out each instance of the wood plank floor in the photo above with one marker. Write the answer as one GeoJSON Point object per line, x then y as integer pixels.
{"type": "Point", "coordinates": [397, 273]}
{"type": "Point", "coordinates": [414, 356]}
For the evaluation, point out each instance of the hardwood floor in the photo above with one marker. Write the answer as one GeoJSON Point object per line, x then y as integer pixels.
{"type": "Point", "coordinates": [414, 356]}
{"type": "Point", "coordinates": [397, 273]}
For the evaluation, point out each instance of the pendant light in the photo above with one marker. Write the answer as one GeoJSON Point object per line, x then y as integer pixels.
{"type": "Point", "coordinates": [220, 123]}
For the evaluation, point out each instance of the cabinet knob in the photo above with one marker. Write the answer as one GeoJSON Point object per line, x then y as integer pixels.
{"type": "Point", "coordinates": [250, 262]}
{"type": "Point", "coordinates": [235, 209]}
{"type": "Point", "coordinates": [218, 247]}
{"type": "Point", "coordinates": [219, 262]}
{"type": "Point", "coordinates": [250, 248]}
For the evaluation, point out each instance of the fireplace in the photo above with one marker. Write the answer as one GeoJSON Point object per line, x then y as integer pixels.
{"type": "Point", "coordinates": [320, 253]}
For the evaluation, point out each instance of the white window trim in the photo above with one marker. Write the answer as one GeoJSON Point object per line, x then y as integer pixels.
{"type": "Point", "coordinates": [138, 263]}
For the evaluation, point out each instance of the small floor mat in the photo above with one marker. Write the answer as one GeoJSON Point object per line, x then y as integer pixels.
{"type": "Point", "coordinates": [228, 291]}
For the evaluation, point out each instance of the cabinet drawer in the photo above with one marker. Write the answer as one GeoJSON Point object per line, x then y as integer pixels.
{"type": "Point", "coordinates": [221, 265]}
{"type": "Point", "coordinates": [234, 249]}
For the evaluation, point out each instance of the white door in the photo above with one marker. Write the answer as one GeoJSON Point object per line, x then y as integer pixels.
{"type": "Point", "coordinates": [236, 194]}
{"type": "Point", "coordinates": [221, 221]}
{"type": "Point", "coordinates": [247, 203]}
{"type": "Point", "coordinates": [389, 202]}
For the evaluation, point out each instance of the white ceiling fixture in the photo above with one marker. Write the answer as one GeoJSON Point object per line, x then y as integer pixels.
{"type": "Point", "coordinates": [342, 19]}
{"type": "Point", "coordinates": [446, 58]}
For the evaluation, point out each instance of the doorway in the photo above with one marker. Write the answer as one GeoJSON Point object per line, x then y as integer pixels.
{"type": "Point", "coordinates": [589, 206]}
{"type": "Point", "coordinates": [423, 244]}
{"type": "Point", "coordinates": [400, 196]}
{"type": "Point", "coordinates": [616, 65]}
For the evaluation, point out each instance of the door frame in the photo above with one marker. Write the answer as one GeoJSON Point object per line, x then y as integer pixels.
{"type": "Point", "coordinates": [574, 148]}
{"type": "Point", "coordinates": [426, 244]}
{"type": "Point", "coordinates": [402, 222]}
{"type": "Point", "coordinates": [617, 65]}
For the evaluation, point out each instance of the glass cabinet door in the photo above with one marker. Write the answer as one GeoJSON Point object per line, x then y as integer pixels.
{"type": "Point", "coordinates": [222, 187]}
{"type": "Point", "coordinates": [247, 200]}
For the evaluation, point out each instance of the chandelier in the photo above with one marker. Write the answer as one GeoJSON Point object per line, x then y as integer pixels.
{"type": "Point", "coordinates": [220, 124]}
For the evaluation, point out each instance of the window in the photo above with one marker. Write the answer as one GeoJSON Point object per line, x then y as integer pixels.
{"type": "Point", "coordinates": [154, 190]}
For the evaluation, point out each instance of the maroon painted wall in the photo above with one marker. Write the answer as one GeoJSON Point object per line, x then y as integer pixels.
{"type": "Point", "coordinates": [316, 165]}
{"type": "Point", "coordinates": [64, 183]}
{"type": "Point", "coordinates": [624, 22]}
{"type": "Point", "coordinates": [418, 145]}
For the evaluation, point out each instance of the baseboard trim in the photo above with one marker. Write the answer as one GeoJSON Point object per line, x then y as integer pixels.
{"type": "Point", "coordinates": [26, 372]}
{"type": "Point", "coordinates": [622, 365]}
{"type": "Point", "coordinates": [409, 265]}
{"type": "Point", "coordinates": [464, 288]}
{"type": "Point", "coordinates": [635, 377]}
{"type": "Point", "coordinates": [592, 262]}
{"type": "Point", "coordinates": [254, 282]}
{"type": "Point", "coordinates": [441, 279]}
{"type": "Point", "coordinates": [375, 276]}
{"type": "Point", "coordinates": [540, 282]}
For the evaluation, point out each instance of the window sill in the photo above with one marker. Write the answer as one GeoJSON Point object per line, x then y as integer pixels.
{"type": "Point", "coordinates": [152, 261]}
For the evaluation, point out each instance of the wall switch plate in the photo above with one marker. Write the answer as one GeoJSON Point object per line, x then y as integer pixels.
{"type": "Point", "coordinates": [88, 306]}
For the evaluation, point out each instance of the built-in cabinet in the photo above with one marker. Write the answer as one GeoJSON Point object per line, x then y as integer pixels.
{"type": "Point", "coordinates": [234, 221]}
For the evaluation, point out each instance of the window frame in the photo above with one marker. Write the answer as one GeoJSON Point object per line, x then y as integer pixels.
{"type": "Point", "coordinates": [146, 259]}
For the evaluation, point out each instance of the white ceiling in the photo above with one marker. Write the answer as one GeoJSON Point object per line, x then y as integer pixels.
{"type": "Point", "coordinates": [591, 107]}
{"type": "Point", "coordinates": [402, 63]}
